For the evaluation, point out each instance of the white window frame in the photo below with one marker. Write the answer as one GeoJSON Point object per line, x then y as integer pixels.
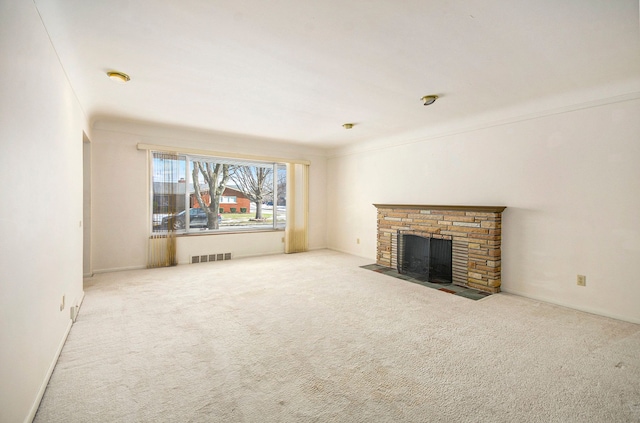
{"type": "Point", "coordinates": [189, 157]}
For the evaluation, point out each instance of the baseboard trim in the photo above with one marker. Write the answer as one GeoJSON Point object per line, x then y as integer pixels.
{"type": "Point", "coordinates": [351, 253]}
{"type": "Point", "coordinates": [45, 382]}
{"type": "Point", "coordinates": [79, 305]}
{"type": "Point", "coordinates": [584, 309]}
{"type": "Point", "coordinates": [118, 269]}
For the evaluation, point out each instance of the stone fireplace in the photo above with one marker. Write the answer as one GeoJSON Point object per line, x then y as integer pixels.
{"type": "Point", "coordinates": [475, 233]}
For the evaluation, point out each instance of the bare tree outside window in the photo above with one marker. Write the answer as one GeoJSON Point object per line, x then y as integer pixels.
{"type": "Point", "coordinates": [216, 176]}
{"type": "Point", "coordinates": [254, 182]}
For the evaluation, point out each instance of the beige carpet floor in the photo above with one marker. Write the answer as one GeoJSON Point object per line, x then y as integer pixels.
{"type": "Point", "coordinates": [312, 337]}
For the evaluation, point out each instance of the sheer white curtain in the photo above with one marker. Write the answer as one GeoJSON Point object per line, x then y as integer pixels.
{"type": "Point", "coordinates": [297, 208]}
{"type": "Point", "coordinates": [162, 245]}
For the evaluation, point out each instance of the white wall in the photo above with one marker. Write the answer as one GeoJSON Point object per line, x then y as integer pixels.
{"type": "Point", "coordinates": [239, 245]}
{"type": "Point", "coordinates": [121, 193]}
{"type": "Point", "coordinates": [571, 182]}
{"type": "Point", "coordinates": [41, 132]}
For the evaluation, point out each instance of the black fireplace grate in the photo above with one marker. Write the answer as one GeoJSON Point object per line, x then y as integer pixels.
{"type": "Point", "coordinates": [425, 257]}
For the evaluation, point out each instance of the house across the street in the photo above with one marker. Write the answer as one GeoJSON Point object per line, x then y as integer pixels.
{"type": "Point", "coordinates": [232, 201]}
{"type": "Point", "coordinates": [171, 196]}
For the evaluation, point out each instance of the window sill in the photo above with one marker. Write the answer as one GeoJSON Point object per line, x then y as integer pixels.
{"type": "Point", "coordinates": [228, 232]}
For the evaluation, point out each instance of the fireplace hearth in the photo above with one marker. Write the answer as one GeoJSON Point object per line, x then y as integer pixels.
{"type": "Point", "coordinates": [475, 234]}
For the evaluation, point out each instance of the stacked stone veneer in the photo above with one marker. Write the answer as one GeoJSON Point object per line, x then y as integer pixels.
{"type": "Point", "coordinates": [475, 232]}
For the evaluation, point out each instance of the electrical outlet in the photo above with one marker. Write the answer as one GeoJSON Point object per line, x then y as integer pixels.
{"type": "Point", "coordinates": [582, 280]}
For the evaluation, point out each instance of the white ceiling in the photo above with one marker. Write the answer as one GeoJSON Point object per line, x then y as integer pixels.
{"type": "Point", "coordinates": [296, 70]}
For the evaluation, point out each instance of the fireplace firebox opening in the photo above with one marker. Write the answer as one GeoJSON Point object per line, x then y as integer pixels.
{"type": "Point", "coordinates": [425, 258]}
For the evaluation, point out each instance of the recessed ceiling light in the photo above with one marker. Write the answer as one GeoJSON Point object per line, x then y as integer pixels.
{"type": "Point", "coordinates": [348, 125]}
{"type": "Point", "coordinates": [429, 99]}
{"type": "Point", "coordinates": [118, 76]}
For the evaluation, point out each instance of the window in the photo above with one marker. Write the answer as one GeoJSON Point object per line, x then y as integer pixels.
{"type": "Point", "coordinates": [205, 194]}
{"type": "Point", "coordinates": [228, 200]}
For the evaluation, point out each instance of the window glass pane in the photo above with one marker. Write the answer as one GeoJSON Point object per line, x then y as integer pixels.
{"type": "Point", "coordinates": [196, 193]}
{"type": "Point", "coordinates": [208, 179]}
{"type": "Point", "coordinates": [252, 188]}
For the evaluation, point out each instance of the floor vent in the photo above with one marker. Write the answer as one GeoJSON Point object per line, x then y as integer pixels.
{"type": "Point", "coordinates": [210, 257]}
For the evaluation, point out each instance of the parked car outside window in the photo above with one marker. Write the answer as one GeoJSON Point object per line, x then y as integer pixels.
{"type": "Point", "coordinates": [197, 219]}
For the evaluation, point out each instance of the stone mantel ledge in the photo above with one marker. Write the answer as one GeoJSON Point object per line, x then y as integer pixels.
{"type": "Point", "coordinates": [479, 209]}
